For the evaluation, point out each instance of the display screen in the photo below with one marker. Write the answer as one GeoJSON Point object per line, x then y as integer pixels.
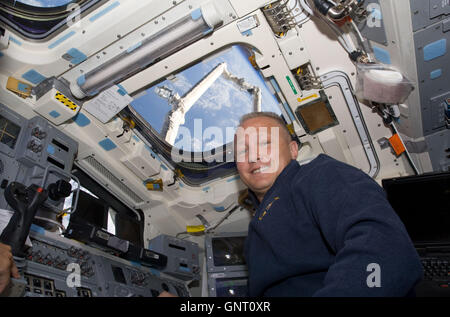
{"type": "Point", "coordinates": [228, 251]}
{"type": "Point", "coordinates": [423, 205]}
{"type": "Point", "coordinates": [231, 287]}
{"type": "Point", "coordinates": [9, 132]}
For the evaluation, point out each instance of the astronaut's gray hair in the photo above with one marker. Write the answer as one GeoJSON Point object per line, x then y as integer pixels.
{"type": "Point", "coordinates": [266, 114]}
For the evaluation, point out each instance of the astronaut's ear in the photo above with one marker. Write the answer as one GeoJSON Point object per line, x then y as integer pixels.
{"type": "Point", "coordinates": [293, 147]}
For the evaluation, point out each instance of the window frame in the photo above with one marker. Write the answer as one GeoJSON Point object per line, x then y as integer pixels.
{"type": "Point", "coordinates": [192, 173]}
{"type": "Point", "coordinates": [87, 6]}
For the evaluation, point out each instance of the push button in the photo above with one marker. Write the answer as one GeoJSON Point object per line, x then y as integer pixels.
{"type": "Point", "coordinates": [37, 283]}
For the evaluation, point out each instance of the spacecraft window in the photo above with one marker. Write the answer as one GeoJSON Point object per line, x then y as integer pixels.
{"type": "Point", "coordinates": [38, 19]}
{"type": "Point", "coordinates": [97, 206]}
{"type": "Point", "coordinates": [45, 3]}
{"type": "Point", "coordinates": [212, 119]}
{"type": "Point", "coordinates": [111, 214]}
{"type": "Point", "coordinates": [68, 201]}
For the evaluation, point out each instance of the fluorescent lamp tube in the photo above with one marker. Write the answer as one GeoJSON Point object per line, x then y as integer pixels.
{"type": "Point", "coordinates": [175, 37]}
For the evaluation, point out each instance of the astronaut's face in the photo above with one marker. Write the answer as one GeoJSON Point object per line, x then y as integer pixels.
{"type": "Point", "coordinates": [263, 149]}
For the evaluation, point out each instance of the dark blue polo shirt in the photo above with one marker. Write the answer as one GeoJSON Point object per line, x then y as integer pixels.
{"type": "Point", "coordinates": [327, 229]}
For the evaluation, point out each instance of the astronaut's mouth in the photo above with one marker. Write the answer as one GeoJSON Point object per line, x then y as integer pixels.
{"type": "Point", "coordinates": [260, 170]}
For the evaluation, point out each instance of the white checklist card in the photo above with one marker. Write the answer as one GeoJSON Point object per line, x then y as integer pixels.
{"type": "Point", "coordinates": [108, 103]}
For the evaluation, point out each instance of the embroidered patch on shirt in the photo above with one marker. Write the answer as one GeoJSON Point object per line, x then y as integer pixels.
{"type": "Point", "coordinates": [267, 208]}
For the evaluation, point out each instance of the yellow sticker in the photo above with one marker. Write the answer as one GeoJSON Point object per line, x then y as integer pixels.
{"type": "Point", "coordinates": [18, 87]}
{"type": "Point", "coordinates": [66, 101]}
{"type": "Point", "coordinates": [291, 128]}
{"type": "Point", "coordinates": [195, 229]}
{"type": "Point", "coordinates": [154, 185]}
{"type": "Point", "coordinates": [306, 98]}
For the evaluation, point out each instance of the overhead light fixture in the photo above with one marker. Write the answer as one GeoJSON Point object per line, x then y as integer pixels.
{"type": "Point", "coordinates": [173, 38]}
